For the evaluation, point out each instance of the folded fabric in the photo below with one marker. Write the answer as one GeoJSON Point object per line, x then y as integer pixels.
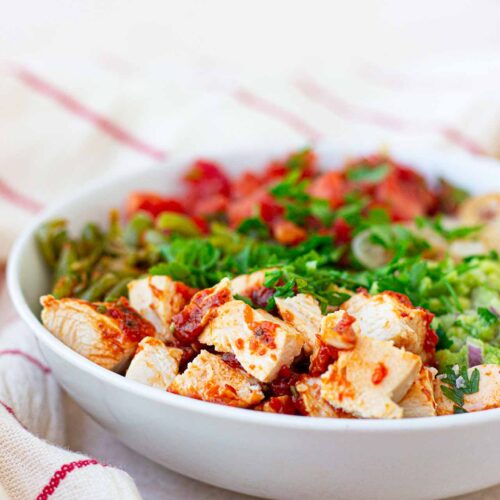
{"type": "Point", "coordinates": [31, 417]}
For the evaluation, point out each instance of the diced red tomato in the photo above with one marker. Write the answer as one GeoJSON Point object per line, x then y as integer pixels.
{"type": "Point", "coordinates": [247, 184]}
{"type": "Point", "coordinates": [342, 232]}
{"type": "Point", "coordinates": [210, 205]}
{"type": "Point", "coordinates": [261, 295]}
{"type": "Point", "coordinates": [186, 291]}
{"type": "Point", "coordinates": [283, 404]}
{"type": "Point", "coordinates": [325, 356]}
{"type": "Point", "coordinates": [275, 171]}
{"type": "Point", "coordinates": [280, 386]}
{"type": "Point", "coordinates": [270, 210]}
{"type": "Point", "coordinates": [231, 360]}
{"type": "Point", "coordinates": [330, 186]}
{"type": "Point", "coordinates": [406, 193]}
{"type": "Point", "coordinates": [152, 203]}
{"type": "Point", "coordinates": [244, 207]}
{"type": "Point", "coordinates": [205, 178]}
{"type": "Point", "coordinates": [201, 223]}
{"type": "Point", "coordinates": [288, 233]}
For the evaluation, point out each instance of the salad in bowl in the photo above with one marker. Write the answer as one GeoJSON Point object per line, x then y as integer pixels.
{"type": "Point", "coordinates": [361, 292]}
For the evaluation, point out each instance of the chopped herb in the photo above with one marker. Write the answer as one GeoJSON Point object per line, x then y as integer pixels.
{"type": "Point", "coordinates": [454, 296]}
{"type": "Point", "coordinates": [448, 234]}
{"type": "Point", "coordinates": [254, 226]}
{"type": "Point", "coordinates": [453, 394]}
{"type": "Point", "coordinates": [457, 383]}
{"type": "Point", "coordinates": [291, 187]}
{"type": "Point", "coordinates": [450, 197]}
{"type": "Point", "coordinates": [244, 299]}
{"type": "Point", "coordinates": [378, 216]}
{"type": "Point", "coordinates": [365, 173]}
{"type": "Point", "coordinates": [444, 341]}
{"type": "Point", "coordinates": [487, 316]}
{"type": "Point", "coordinates": [320, 209]}
{"type": "Point", "coordinates": [299, 160]}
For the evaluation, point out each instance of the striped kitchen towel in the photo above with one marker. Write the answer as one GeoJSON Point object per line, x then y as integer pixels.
{"type": "Point", "coordinates": [64, 123]}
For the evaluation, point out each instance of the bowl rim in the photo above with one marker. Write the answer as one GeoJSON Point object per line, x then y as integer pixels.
{"type": "Point", "coordinates": [14, 265]}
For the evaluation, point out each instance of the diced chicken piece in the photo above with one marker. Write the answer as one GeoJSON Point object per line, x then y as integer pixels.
{"type": "Point", "coordinates": [209, 378]}
{"type": "Point", "coordinates": [157, 299]}
{"type": "Point", "coordinates": [227, 322]}
{"type": "Point", "coordinates": [154, 363]}
{"type": "Point", "coordinates": [336, 334]}
{"type": "Point", "coordinates": [371, 379]}
{"type": "Point", "coordinates": [278, 404]}
{"type": "Point", "coordinates": [260, 342]}
{"type": "Point", "coordinates": [245, 283]}
{"type": "Point", "coordinates": [391, 316]}
{"type": "Point", "coordinates": [480, 209]}
{"type": "Point", "coordinates": [106, 333]}
{"type": "Point", "coordinates": [490, 235]}
{"type": "Point", "coordinates": [189, 323]}
{"type": "Point", "coordinates": [337, 330]}
{"type": "Point", "coordinates": [484, 210]}
{"type": "Point", "coordinates": [304, 314]}
{"type": "Point", "coordinates": [419, 400]}
{"type": "Point", "coordinates": [487, 398]}
{"type": "Point", "coordinates": [313, 404]}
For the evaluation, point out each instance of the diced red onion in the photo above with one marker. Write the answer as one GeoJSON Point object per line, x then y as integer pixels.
{"type": "Point", "coordinates": [474, 353]}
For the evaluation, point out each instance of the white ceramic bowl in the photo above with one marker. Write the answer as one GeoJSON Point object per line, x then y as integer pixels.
{"type": "Point", "coordinates": [274, 456]}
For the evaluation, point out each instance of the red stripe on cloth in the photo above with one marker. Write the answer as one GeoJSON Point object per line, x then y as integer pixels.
{"type": "Point", "coordinates": [349, 111]}
{"type": "Point", "coordinates": [271, 109]}
{"type": "Point", "coordinates": [402, 81]}
{"type": "Point", "coordinates": [76, 107]}
{"type": "Point", "coordinates": [9, 409]}
{"type": "Point", "coordinates": [61, 473]}
{"type": "Point", "coordinates": [353, 112]}
{"type": "Point", "coordinates": [25, 355]}
{"type": "Point", "coordinates": [20, 200]}
{"type": "Point", "coordinates": [13, 413]}
{"type": "Point", "coordinates": [459, 139]}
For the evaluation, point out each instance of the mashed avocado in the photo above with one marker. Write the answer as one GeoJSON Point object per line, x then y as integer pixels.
{"type": "Point", "coordinates": [478, 294]}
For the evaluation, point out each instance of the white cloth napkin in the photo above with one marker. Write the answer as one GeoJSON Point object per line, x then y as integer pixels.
{"type": "Point", "coordinates": [33, 461]}
{"type": "Point", "coordinates": [65, 122]}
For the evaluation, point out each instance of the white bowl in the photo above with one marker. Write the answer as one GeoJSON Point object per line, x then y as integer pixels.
{"type": "Point", "coordinates": [274, 456]}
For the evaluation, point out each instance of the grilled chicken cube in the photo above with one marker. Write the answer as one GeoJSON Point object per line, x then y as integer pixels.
{"type": "Point", "coordinates": [336, 334]}
{"type": "Point", "coordinates": [260, 342]}
{"type": "Point", "coordinates": [105, 333]}
{"type": "Point", "coordinates": [484, 210]}
{"type": "Point", "coordinates": [154, 363]}
{"type": "Point", "coordinates": [189, 323]}
{"type": "Point", "coordinates": [304, 314]}
{"type": "Point", "coordinates": [391, 316]}
{"type": "Point", "coordinates": [210, 378]}
{"type": "Point", "coordinates": [419, 400]}
{"type": "Point", "coordinates": [245, 283]}
{"type": "Point", "coordinates": [487, 398]}
{"type": "Point", "coordinates": [337, 330]}
{"type": "Point", "coordinates": [371, 379]}
{"type": "Point", "coordinates": [313, 404]}
{"type": "Point", "coordinates": [157, 299]}
{"type": "Point", "coordinates": [228, 321]}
